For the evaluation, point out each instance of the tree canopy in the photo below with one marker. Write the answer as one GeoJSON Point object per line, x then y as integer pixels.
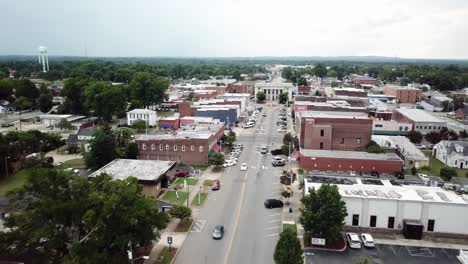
{"type": "Point", "coordinates": [261, 96]}
{"type": "Point", "coordinates": [148, 88]}
{"type": "Point", "coordinates": [102, 149]}
{"type": "Point", "coordinates": [288, 248]}
{"type": "Point", "coordinates": [69, 219]}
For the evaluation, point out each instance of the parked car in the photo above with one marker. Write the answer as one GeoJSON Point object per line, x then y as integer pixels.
{"type": "Point", "coordinates": [238, 146]}
{"type": "Point", "coordinates": [248, 125]}
{"type": "Point", "coordinates": [264, 150]}
{"type": "Point", "coordinates": [276, 152]}
{"type": "Point", "coordinates": [181, 173]}
{"type": "Point", "coordinates": [229, 163]}
{"type": "Point", "coordinates": [278, 163]}
{"type": "Point", "coordinates": [216, 185]}
{"type": "Point", "coordinates": [273, 203]}
{"type": "Point", "coordinates": [423, 177]}
{"type": "Point", "coordinates": [218, 232]}
{"type": "Point", "coordinates": [367, 240]}
{"type": "Point", "coordinates": [353, 240]}
{"type": "Point", "coordinates": [243, 167]}
{"type": "Point", "coordinates": [352, 173]}
{"type": "Point", "coordinates": [7, 125]}
{"type": "Point", "coordinates": [277, 158]}
{"type": "Point", "coordinates": [264, 115]}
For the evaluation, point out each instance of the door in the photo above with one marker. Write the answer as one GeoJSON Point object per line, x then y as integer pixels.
{"type": "Point", "coordinates": [461, 165]}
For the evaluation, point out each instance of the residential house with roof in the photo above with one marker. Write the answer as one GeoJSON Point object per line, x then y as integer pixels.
{"type": "Point", "coordinates": [146, 115]}
{"type": "Point", "coordinates": [81, 138]}
{"type": "Point", "coordinates": [452, 153]}
{"type": "Point", "coordinates": [462, 113]}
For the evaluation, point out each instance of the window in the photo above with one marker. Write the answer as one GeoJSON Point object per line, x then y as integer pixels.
{"type": "Point", "coordinates": [391, 222]}
{"type": "Point", "coordinates": [355, 220]}
{"type": "Point", "coordinates": [342, 141]}
{"type": "Point", "coordinates": [143, 146]}
{"type": "Point", "coordinates": [406, 128]}
{"type": "Point", "coordinates": [192, 148]}
{"type": "Point", "coordinates": [373, 220]}
{"type": "Point", "coordinates": [175, 147]}
{"type": "Point", "coordinates": [456, 162]}
{"type": "Point", "coordinates": [183, 148]}
{"type": "Point", "coordinates": [153, 147]}
{"type": "Point", "coordinates": [378, 125]}
{"type": "Point", "coordinates": [200, 149]}
{"type": "Point", "coordinates": [430, 225]}
{"type": "Point", "coordinates": [167, 146]}
{"type": "Point", "coordinates": [322, 133]}
{"type": "Point", "coordinates": [466, 162]}
{"type": "Point", "coordinates": [430, 127]}
{"type": "Point", "coordinates": [401, 128]}
{"type": "Point", "coordinates": [321, 145]}
{"type": "Point", "coordinates": [358, 141]}
{"type": "Point", "coordinates": [425, 127]}
{"type": "Point", "coordinates": [160, 146]}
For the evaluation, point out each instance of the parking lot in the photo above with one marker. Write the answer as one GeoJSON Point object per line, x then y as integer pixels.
{"type": "Point", "coordinates": [385, 254]}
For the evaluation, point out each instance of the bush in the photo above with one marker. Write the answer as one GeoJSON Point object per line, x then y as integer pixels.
{"type": "Point", "coordinates": [414, 170]}
{"type": "Point", "coordinates": [73, 149]}
{"type": "Point", "coordinates": [448, 173]}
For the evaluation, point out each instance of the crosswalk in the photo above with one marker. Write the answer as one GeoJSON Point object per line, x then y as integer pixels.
{"type": "Point", "coordinates": [198, 225]}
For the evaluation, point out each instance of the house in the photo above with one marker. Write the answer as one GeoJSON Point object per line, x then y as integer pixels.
{"type": "Point", "coordinates": [146, 115]}
{"type": "Point", "coordinates": [152, 174]}
{"type": "Point", "coordinates": [462, 113]}
{"type": "Point", "coordinates": [452, 153]}
{"type": "Point", "coordinates": [81, 138]}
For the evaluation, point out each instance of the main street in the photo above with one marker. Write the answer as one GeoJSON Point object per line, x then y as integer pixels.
{"type": "Point", "coordinates": [251, 230]}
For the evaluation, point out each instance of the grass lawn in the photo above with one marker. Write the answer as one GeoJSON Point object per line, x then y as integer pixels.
{"type": "Point", "coordinates": [74, 163]}
{"type": "Point", "coordinates": [208, 183]}
{"type": "Point", "coordinates": [14, 181]}
{"type": "Point", "coordinates": [200, 167]}
{"type": "Point", "coordinates": [293, 227]}
{"type": "Point", "coordinates": [435, 165]}
{"type": "Point", "coordinates": [190, 181]}
{"type": "Point", "coordinates": [165, 257]}
{"type": "Point", "coordinates": [202, 199]}
{"type": "Point", "coordinates": [184, 226]}
{"type": "Point", "coordinates": [171, 197]}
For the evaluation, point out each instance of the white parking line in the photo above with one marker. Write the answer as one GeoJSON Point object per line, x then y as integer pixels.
{"type": "Point", "coordinates": [274, 227]}
{"type": "Point", "coordinates": [275, 214]}
{"type": "Point", "coordinates": [272, 235]}
{"type": "Point", "coordinates": [198, 225]}
{"type": "Point", "coordinates": [277, 220]}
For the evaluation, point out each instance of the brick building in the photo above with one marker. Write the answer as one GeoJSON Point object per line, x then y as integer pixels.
{"type": "Point", "coordinates": [328, 106]}
{"type": "Point", "coordinates": [350, 92]}
{"type": "Point", "coordinates": [364, 80]}
{"type": "Point", "coordinates": [190, 145]}
{"type": "Point", "coordinates": [334, 130]}
{"type": "Point", "coordinates": [309, 98]}
{"type": "Point", "coordinates": [404, 95]}
{"type": "Point", "coordinates": [241, 87]}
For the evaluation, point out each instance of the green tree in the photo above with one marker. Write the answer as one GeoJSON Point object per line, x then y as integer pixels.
{"type": "Point", "coordinates": [181, 212]}
{"type": "Point", "coordinates": [148, 89]}
{"type": "Point", "coordinates": [332, 73]}
{"type": "Point", "coordinates": [317, 93]}
{"type": "Point", "coordinates": [302, 81]}
{"type": "Point", "coordinates": [45, 102]}
{"type": "Point", "coordinates": [102, 149]}
{"type": "Point", "coordinates": [323, 212]}
{"type": "Point", "coordinates": [65, 124]}
{"type": "Point", "coordinates": [320, 70]}
{"type": "Point", "coordinates": [433, 137]}
{"type": "Point", "coordinates": [105, 100]}
{"type": "Point", "coordinates": [23, 103]}
{"type": "Point", "coordinates": [261, 97]}
{"type": "Point", "coordinates": [288, 249]}
{"type": "Point", "coordinates": [447, 173]}
{"type": "Point", "coordinates": [73, 91]}
{"type": "Point", "coordinates": [287, 138]}
{"type": "Point", "coordinates": [139, 125]}
{"type": "Point", "coordinates": [131, 151]}
{"type": "Point", "coordinates": [97, 218]}
{"type": "Point", "coordinates": [217, 159]}
{"type": "Point", "coordinates": [283, 98]}
{"type": "Point", "coordinates": [373, 147]}
{"type": "Point", "coordinates": [25, 88]}
{"type": "Point", "coordinates": [415, 136]}
{"type": "Point", "coordinates": [230, 138]}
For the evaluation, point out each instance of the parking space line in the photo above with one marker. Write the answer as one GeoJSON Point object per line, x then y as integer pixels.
{"type": "Point", "coordinates": [443, 249]}
{"type": "Point", "coordinates": [272, 235]}
{"type": "Point", "coordinates": [276, 220]}
{"type": "Point", "coordinates": [275, 214]}
{"type": "Point", "coordinates": [393, 250]}
{"type": "Point", "coordinates": [274, 227]}
{"type": "Point", "coordinates": [378, 249]}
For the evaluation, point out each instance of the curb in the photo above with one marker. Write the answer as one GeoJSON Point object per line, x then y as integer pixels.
{"type": "Point", "coordinates": [181, 245]}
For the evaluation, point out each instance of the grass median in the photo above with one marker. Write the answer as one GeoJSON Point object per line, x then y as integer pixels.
{"type": "Point", "coordinates": [203, 197]}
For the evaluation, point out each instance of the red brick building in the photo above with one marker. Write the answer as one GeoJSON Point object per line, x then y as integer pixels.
{"type": "Point", "coordinates": [310, 98]}
{"type": "Point", "coordinates": [303, 89]}
{"type": "Point", "coordinates": [205, 94]}
{"type": "Point", "coordinates": [350, 92]}
{"type": "Point", "coordinates": [334, 130]}
{"type": "Point", "coordinates": [404, 95]}
{"type": "Point", "coordinates": [190, 145]}
{"type": "Point", "coordinates": [327, 160]}
{"type": "Point", "coordinates": [328, 106]}
{"type": "Point", "coordinates": [364, 80]}
{"type": "Point", "coordinates": [240, 87]}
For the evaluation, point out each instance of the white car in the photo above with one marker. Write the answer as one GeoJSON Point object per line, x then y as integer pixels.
{"type": "Point", "coordinates": [243, 166]}
{"type": "Point", "coordinates": [248, 125]}
{"type": "Point", "coordinates": [277, 159]}
{"type": "Point", "coordinates": [352, 173]}
{"type": "Point", "coordinates": [423, 176]}
{"type": "Point", "coordinates": [353, 240]}
{"type": "Point", "coordinates": [367, 240]}
{"type": "Point", "coordinates": [229, 163]}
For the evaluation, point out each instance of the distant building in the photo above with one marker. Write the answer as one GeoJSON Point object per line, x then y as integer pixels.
{"type": "Point", "coordinates": [435, 101]}
{"type": "Point", "coordinates": [272, 90]}
{"type": "Point", "coordinates": [411, 155]}
{"type": "Point", "coordinates": [52, 120]}
{"type": "Point", "coordinates": [462, 113]}
{"type": "Point", "coordinates": [404, 94]}
{"type": "Point", "coordinates": [303, 90]}
{"type": "Point", "coordinates": [154, 175]}
{"type": "Point", "coordinates": [81, 138]}
{"type": "Point", "coordinates": [422, 121]}
{"type": "Point", "coordinates": [146, 115]}
{"type": "Point", "coordinates": [350, 92]}
{"type": "Point", "coordinates": [338, 106]}
{"type": "Point", "coordinates": [452, 153]}
{"type": "Point", "coordinates": [364, 80]}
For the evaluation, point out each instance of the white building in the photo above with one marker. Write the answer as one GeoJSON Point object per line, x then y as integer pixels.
{"type": "Point", "coordinates": [386, 206]}
{"type": "Point", "coordinates": [244, 98]}
{"type": "Point", "coordinates": [142, 114]}
{"type": "Point", "coordinates": [422, 121]}
{"type": "Point", "coordinates": [452, 153]}
{"type": "Point", "coordinates": [411, 155]}
{"type": "Point", "coordinates": [272, 90]}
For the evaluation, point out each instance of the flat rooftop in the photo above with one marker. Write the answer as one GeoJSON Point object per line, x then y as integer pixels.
{"type": "Point", "coordinates": [144, 170]}
{"type": "Point", "coordinates": [418, 115]}
{"type": "Point", "coordinates": [333, 114]}
{"type": "Point", "coordinates": [189, 131]}
{"type": "Point", "coordinates": [343, 154]}
{"type": "Point", "coordinates": [402, 87]}
{"type": "Point", "coordinates": [408, 149]}
{"type": "Point", "coordinates": [387, 191]}
{"type": "Point", "coordinates": [350, 89]}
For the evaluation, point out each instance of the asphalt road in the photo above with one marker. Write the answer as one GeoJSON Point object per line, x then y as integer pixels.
{"type": "Point", "coordinates": [251, 230]}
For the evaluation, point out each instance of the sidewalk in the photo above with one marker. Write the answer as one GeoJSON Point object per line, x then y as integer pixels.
{"type": "Point", "coordinates": [295, 202]}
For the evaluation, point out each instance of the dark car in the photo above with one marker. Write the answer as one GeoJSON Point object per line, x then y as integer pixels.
{"type": "Point", "coordinates": [276, 152]}
{"type": "Point", "coordinates": [278, 163]}
{"type": "Point", "coordinates": [181, 173]}
{"type": "Point", "coordinates": [7, 125]}
{"type": "Point", "coordinates": [285, 180]}
{"type": "Point", "coordinates": [273, 203]}
{"type": "Point", "coordinates": [218, 232]}
{"type": "Point", "coordinates": [216, 185]}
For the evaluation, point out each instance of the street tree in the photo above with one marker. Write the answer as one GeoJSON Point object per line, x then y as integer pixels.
{"type": "Point", "coordinates": [217, 159]}
{"type": "Point", "coordinates": [230, 138]}
{"type": "Point", "coordinates": [65, 124]}
{"type": "Point", "coordinates": [45, 102]}
{"type": "Point", "coordinates": [288, 248]}
{"type": "Point", "coordinates": [287, 138]}
{"type": "Point", "coordinates": [433, 137]}
{"type": "Point", "coordinates": [323, 212]}
{"type": "Point", "coordinates": [317, 93]}
{"type": "Point", "coordinates": [415, 137]}
{"type": "Point", "coordinates": [148, 89]}
{"type": "Point", "coordinates": [181, 212]}
{"type": "Point", "coordinates": [102, 149]}
{"type": "Point", "coordinates": [88, 221]}
{"type": "Point", "coordinates": [139, 125]}
{"type": "Point", "coordinates": [261, 97]}
{"type": "Point", "coordinates": [283, 98]}
{"type": "Point", "coordinates": [447, 173]}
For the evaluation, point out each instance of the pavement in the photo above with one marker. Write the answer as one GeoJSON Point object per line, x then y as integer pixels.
{"type": "Point", "coordinates": [251, 230]}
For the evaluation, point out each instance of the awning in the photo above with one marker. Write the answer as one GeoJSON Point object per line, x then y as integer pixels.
{"type": "Point", "coordinates": [217, 148]}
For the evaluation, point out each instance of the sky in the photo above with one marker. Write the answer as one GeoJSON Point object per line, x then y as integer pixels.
{"type": "Point", "coordinates": [236, 28]}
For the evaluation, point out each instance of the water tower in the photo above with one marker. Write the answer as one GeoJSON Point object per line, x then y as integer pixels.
{"type": "Point", "coordinates": [43, 58]}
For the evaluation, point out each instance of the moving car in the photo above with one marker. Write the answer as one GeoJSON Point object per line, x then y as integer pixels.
{"type": "Point", "coordinates": [243, 166]}
{"type": "Point", "coordinates": [7, 125]}
{"type": "Point", "coordinates": [248, 125]}
{"type": "Point", "coordinates": [276, 152]}
{"type": "Point", "coordinates": [216, 185]}
{"type": "Point", "coordinates": [367, 240]}
{"type": "Point", "coordinates": [218, 232]}
{"type": "Point", "coordinates": [353, 240]}
{"type": "Point", "coordinates": [273, 203]}
{"type": "Point", "coordinates": [264, 150]}
{"type": "Point", "coordinates": [277, 158]}
{"type": "Point", "coordinates": [264, 115]}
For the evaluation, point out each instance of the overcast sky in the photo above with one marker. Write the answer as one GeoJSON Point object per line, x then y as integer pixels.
{"type": "Point", "coordinates": [223, 28]}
